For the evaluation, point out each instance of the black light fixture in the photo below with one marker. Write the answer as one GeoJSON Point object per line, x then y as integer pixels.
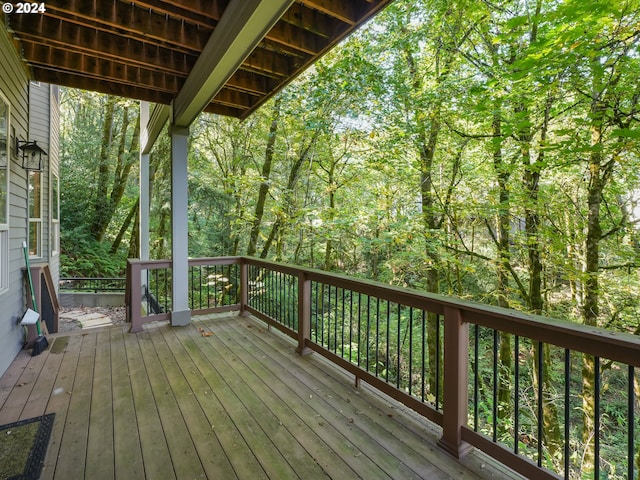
{"type": "Point", "coordinates": [31, 154]}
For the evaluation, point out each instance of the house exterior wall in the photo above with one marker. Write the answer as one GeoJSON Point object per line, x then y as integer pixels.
{"type": "Point", "coordinates": [15, 88]}
{"type": "Point", "coordinates": [44, 127]}
{"type": "Point", "coordinates": [14, 85]}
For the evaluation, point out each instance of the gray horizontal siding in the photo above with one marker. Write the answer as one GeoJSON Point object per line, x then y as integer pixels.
{"type": "Point", "coordinates": [14, 85]}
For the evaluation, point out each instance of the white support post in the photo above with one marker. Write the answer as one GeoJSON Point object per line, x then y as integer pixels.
{"type": "Point", "coordinates": [144, 187]}
{"type": "Point", "coordinates": [180, 314]}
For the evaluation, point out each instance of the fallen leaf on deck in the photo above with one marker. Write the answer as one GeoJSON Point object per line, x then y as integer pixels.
{"type": "Point", "coordinates": [204, 333]}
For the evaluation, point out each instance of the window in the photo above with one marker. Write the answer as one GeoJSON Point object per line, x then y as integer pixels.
{"type": "Point", "coordinates": [4, 193]}
{"type": "Point", "coordinates": [55, 214]}
{"type": "Point", "coordinates": [35, 213]}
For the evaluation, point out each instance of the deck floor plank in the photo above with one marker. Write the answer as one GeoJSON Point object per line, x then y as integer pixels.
{"type": "Point", "coordinates": [313, 394]}
{"type": "Point", "coordinates": [76, 430]}
{"type": "Point", "coordinates": [100, 443]}
{"type": "Point", "coordinates": [17, 399]}
{"type": "Point", "coordinates": [362, 411]}
{"type": "Point", "coordinates": [10, 378]}
{"type": "Point", "coordinates": [210, 393]}
{"type": "Point", "coordinates": [241, 412]}
{"type": "Point", "coordinates": [153, 444]}
{"type": "Point", "coordinates": [68, 346]}
{"type": "Point", "coordinates": [175, 362]}
{"type": "Point", "coordinates": [43, 387]}
{"type": "Point", "coordinates": [128, 461]}
{"type": "Point", "coordinates": [186, 462]}
{"type": "Point", "coordinates": [302, 450]}
{"type": "Point", "coordinates": [299, 415]}
{"type": "Point", "coordinates": [172, 403]}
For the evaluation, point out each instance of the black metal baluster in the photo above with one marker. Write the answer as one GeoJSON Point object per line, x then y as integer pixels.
{"type": "Point", "coordinates": [314, 294]}
{"type": "Point", "coordinates": [279, 312]}
{"type": "Point", "coordinates": [328, 345]}
{"type": "Point", "coordinates": [398, 343]}
{"type": "Point", "coordinates": [368, 336]}
{"type": "Point", "coordinates": [270, 298]}
{"type": "Point", "coordinates": [350, 324]}
{"type": "Point", "coordinates": [410, 351]}
{"type": "Point", "coordinates": [388, 338]}
{"type": "Point", "coordinates": [207, 274]}
{"type": "Point", "coordinates": [322, 314]}
{"type": "Point", "coordinates": [596, 420]}
{"type": "Point", "coordinates": [262, 290]}
{"type": "Point", "coordinates": [438, 355]}
{"type": "Point", "coordinates": [495, 386]}
{"type": "Point", "coordinates": [424, 336]}
{"type": "Point", "coordinates": [335, 324]}
{"type": "Point", "coordinates": [516, 395]}
{"type": "Point", "coordinates": [631, 422]}
{"type": "Point", "coordinates": [289, 296]}
{"type": "Point", "coordinates": [476, 382]}
{"type": "Point", "coordinates": [200, 281]}
{"type": "Point", "coordinates": [540, 402]}
{"type": "Point", "coordinates": [192, 289]}
{"type": "Point", "coordinates": [377, 335]}
{"type": "Point", "coordinates": [342, 324]}
{"type": "Point", "coordinates": [567, 411]}
{"type": "Point", "coordinates": [359, 325]}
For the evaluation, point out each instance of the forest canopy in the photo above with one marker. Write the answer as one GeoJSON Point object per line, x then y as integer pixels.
{"type": "Point", "coordinates": [488, 150]}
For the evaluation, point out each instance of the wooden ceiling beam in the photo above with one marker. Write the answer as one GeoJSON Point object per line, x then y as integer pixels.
{"type": "Point", "coordinates": [233, 98]}
{"type": "Point", "coordinates": [138, 23]}
{"type": "Point", "coordinates": [92, 67]}
{"type": "Point", "coordinates": [344, 11]}
{"type": "Point", "coordinates": [225, 110]}
{"type": "Point", "coordinates": [195, 11]}
{"type": "Point", "coordinates": [269, 63]}
{"type": "Point", "coordinates": [251, 82]}
{"type": "Point", "coordinates": [312, 20]}
{"type": "Point", "coordinates": [297, 38]}
{"type": "Point", "coordinates": [69, 79]}
{"type": "Point", "coordinates": [183, 41]}
{"type": "Point", "coordinates": [105, 45]}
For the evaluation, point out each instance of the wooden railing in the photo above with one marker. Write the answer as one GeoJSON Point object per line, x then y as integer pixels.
{"type": "Point", "coordinates": [492, 378]}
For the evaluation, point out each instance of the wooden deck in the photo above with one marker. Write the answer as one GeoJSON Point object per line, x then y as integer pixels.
{"type": "Point", "coordinates": [238, 403]}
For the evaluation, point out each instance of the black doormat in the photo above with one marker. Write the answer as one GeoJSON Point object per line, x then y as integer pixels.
{"type": "Point", "coordinates": [23, 446]}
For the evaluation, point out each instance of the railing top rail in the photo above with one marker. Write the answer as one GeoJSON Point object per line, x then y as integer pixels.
{"type": "Point", "coordinates": [167, 263]}
{"type": "Point", "coordinates": [149, 264]}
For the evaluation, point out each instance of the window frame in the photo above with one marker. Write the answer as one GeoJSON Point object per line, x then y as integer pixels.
{"type": "Point", "coordinates": [4, 227]}
{"type": "Point", "coordinates": [35, 223]}
{"type": "Point", "coordinates": [54, 195]}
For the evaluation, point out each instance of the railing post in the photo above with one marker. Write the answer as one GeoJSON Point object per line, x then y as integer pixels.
{"type": "Point", "coordinates": [244, 287]}
{"type": "Point", "coordinates": [135, 296]}
{"type": "Point", "coordinates": [456, 365]}
{"type": "Point", "coordinates": [304, 314]}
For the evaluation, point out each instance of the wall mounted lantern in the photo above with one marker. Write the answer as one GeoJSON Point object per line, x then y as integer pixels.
{"type": "Point", "coordinates": [31, 154]}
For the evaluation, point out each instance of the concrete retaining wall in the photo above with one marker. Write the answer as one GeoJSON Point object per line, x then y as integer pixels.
{"type": "Point", "coordinates": [88, 299]}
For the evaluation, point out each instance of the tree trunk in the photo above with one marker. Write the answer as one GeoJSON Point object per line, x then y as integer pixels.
{"type": "Point", "coordinates": [505, 360]}
{"type": "Point", "coordinates": [532, 170]}
{"type": "Point", "coordinates": [100, 199]}
{"type": "Point", "coordinates": [124, 227]}
{"type": "Point", "coordinates": [294, 174]}
{"type": "Point", "coordinates": [264, 185]}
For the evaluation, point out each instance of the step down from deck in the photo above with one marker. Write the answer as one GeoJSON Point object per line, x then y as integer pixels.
{"type": "Point", "coordinates": [88, 320]}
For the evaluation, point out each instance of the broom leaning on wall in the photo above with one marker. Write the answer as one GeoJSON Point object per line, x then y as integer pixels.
{"type": "Point", "coordinates": [32, 316]}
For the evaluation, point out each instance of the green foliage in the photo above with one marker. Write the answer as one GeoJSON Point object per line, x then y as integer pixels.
{"type": "Point", "coordinates": [83, 256]}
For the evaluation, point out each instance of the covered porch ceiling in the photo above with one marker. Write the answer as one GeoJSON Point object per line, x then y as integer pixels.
{"type": "Point", "coordinates": [147, 49]}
